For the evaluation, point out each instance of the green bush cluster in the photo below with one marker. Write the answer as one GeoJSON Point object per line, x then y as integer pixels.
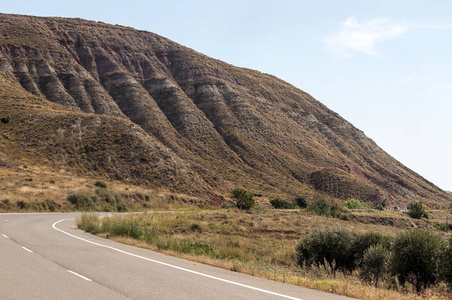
{"type": "Point", "coordinates": [100, 200]}
{"type": "Point", "coordinates": [417, 210]}
{"type": "Point", "coordinates": [301, 202]}
{"type": "Point", "coordinates": [330, 246]}
{"type": "Point", "coordinates": [420, 257]}
{"type": "Point", "coordinates": [5, 120]}
{"type": "Point", "coordinates": [355, 204]}
{"type": "Point", "coordinates": [243, 199]}
{"type": "Point", "coordinates": [323, 207]}
{"type": "Point", "coordinates": [42, 206]}
{"type": "Point", "coordinates": [281, 203]}
{"type": "Point", "coordinates": [100, 184]}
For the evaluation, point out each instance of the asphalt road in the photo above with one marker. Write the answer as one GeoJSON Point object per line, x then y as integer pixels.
{"type": "Point", "coordinates": [44, 256]}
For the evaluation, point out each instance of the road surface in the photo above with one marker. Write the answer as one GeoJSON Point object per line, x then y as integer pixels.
{"type": "Point", "coordinates": [44, 256]}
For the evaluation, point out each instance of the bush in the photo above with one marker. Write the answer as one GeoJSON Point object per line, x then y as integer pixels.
{"type": "Point", "coordinates": [363, 242]}
{"type": "Point", "coordinates": [101, 200]}
{"type": "Point", "coordinates": [355, 204]}
{"type": "Point", "coordinates": [417, 210]}
{"type": "Point", "coordinates": [101, 184]}
{"type": "Point", "coordinates": [225, 205]}
{"type": "Point", "coordinates": [301, 202]}
{"type": "Point", "coordinates": [281, 203]}
{"type": "Point", "coordinates": [243, 199]}
{"type": "Point", "coordinates": [326, 245]}
{"type": "Point", "coordinates": [5, 120]}
{"type": "Point", "coordinates": [416, 257]}
{"type": "Point", "coordinates": [447, 259]}
{"type": "Point", "coordinates": [375, 263]}
{"type": "Point", "coordinates": [323, 207]}
{"type": "Point", "coordinates": [81, 201]}
{"type": "Point", "coordinates": [22, 204]}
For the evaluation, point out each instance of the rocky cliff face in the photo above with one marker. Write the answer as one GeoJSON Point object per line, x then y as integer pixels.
{"type": "Point", "coordinates": [135, 106]}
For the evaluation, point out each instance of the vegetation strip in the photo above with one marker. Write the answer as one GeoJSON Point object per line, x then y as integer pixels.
{"type": "Point", "coordinates": [172, 266]}
{"type": "Point", "coordinates": [354, 265]}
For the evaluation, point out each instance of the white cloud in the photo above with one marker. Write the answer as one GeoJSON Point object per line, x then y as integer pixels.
{"type": "Point", "coordinates": [363, 37]}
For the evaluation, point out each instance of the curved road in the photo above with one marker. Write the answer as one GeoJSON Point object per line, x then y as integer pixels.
{"type": "Point", "coordinates": [44, 256]}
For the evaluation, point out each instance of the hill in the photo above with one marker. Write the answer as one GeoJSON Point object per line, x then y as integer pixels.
{"type": "Point", "coordinates": [130, 105]}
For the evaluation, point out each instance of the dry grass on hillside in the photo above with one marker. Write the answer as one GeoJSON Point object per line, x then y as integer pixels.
{"type": "Point", "coordinates": [260, 243]}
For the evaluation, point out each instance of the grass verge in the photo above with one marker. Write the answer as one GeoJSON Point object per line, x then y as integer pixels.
{"type": "Point", "coordinates": [259, 243]}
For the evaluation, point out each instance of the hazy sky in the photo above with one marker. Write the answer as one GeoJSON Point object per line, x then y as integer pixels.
{"type": "Point", "coordinates": [385, 66]}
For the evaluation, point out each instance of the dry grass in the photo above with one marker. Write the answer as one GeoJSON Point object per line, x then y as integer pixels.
{"type": "Point", "coordinates": [25, 180]}
{"type": "Point", "coordinates": [261, 243]}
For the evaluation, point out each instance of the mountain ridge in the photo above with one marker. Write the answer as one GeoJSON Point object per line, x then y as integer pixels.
{"type": "Point", "coordinates": [193, 123]}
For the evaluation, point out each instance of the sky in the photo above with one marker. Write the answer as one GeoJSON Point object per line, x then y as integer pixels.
{"type": "Point", "coordinates": [385, 66]}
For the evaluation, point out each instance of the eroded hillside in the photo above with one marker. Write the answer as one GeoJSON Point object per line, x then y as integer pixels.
{"type": "Point", "coordinates": [132, 105]}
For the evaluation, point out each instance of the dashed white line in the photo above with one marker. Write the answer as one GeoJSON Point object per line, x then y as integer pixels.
{"type": "Point", "coordinates": [6, 220]}
{"type": "Point", "coordinates": [27, 249]}
{"type": "Point", "coordinates": [5, 236]}
{"type": "Point", "coordinates": [81, 276]}
{"type": "Point", "coordinates": [172, 266]}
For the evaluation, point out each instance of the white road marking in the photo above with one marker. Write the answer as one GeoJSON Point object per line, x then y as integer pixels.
{"type": "Point", "coordinates": [81, 276]}
{"type": "Point", "coordinates": [172, 266]}
{"type": "Point", "coordinates": [6, 220]}
{"type": "Point", "coordinates": [5, 236]}
{"type": "Point", "coordinates": [27, 249]}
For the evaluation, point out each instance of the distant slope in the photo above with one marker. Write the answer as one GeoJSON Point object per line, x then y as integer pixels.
{"type": "Point", "coordinates": [135, 106]}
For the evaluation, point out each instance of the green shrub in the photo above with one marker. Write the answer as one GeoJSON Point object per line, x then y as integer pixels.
{"type": "Point", "coordinates": [301, 202]}
{"type": "Point", "coordinates": [417, 210]}
{"type": "Point", "coordinates": [243, 199]}
{"type": "Point", "coordinates": [22, 205]}
{"type": "Point", "coordinates": [225, 205]}
{"type": "Point", "coordinates": [51, 205]}
{"type": "Point", "coordinates": [355, 204]}
{"type": "Point", "coordinates": [323, 207]}
{"type": "Point", "coordinates": [326, 245]}
{"type": "Point", "coordinates": [447, 259]}
{"type": "Point", "coordinates": [101, 200]}
{"type": "Point", "coordinates": [440, 226]}
{"type": "Point", "coordinates": [380, 207]}
{"type": "Point", "coordinates": [375, 263]}
{"type": "Point", "coordinates": [363, 242]}
{"type": "Point", "coordinates": [101, 184]}
{"type": "Point", "coordinates": [416, 257]}
{"type": "Point", "coordinates": [281, 203]}
{"type": "Point", "coordinates": [82, 201]}
{"type": "Point", "coordinates": [5, 120]}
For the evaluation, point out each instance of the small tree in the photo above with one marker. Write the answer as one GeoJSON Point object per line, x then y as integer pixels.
{"type": "Point", "coordinates": [418, 210]}
{"type": "Point", "coordinates": [243, 199]}
{"type": "Point", "coordinates": [363, 242]}
{"type": "Point", "coordinates": [326, 245]}
{"type": "Point", "coordinates": [416, 257]}
{"type": "Point", "coordinates": [374, 263]}
{"type": "Point", "coordinates": [301, 202]}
